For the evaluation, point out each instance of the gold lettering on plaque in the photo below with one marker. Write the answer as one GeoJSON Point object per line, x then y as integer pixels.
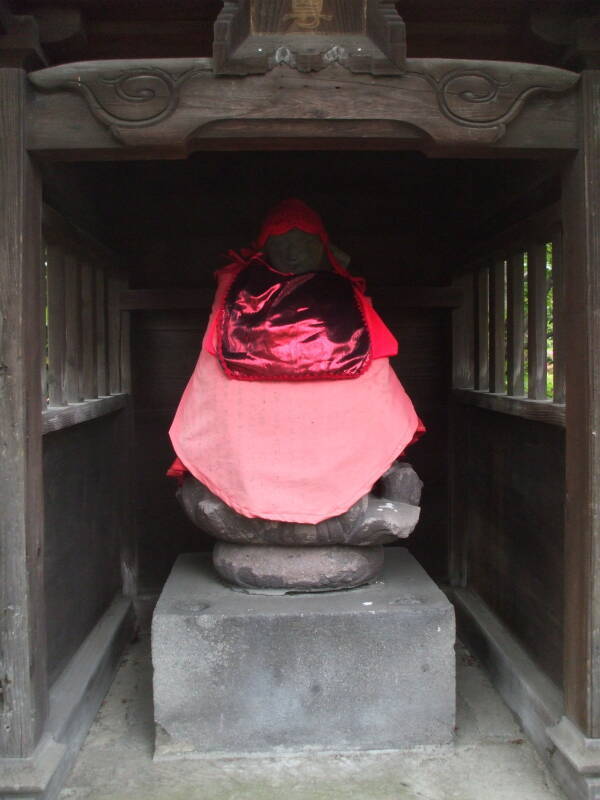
{"type": "Point", "coordinates": [307, 15]}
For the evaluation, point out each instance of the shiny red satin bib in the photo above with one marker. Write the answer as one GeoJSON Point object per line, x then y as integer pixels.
{"type": "Point", "coordinates": [275, 326]}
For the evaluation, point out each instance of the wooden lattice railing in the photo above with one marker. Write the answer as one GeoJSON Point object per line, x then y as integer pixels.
{"type": "Point", "coordinates": [508, 334]}
{"type": "Point", "coordinates": [86, 369]}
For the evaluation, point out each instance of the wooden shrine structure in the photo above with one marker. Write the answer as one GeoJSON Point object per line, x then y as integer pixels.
{"type": "Point", "coordinates": [454, 151]}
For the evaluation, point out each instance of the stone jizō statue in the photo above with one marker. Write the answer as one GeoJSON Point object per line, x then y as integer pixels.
{"type": "Point", "coordinates": [288, 433]}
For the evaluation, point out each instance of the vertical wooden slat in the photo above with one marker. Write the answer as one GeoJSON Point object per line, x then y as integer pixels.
{"type": "Point", "coordinates": [43, 325]}
{"type": "Point", "coordinates": [23, 680]}
{"type": "Point", "coordinates": [125, 358]}
{"type": "Point", "coordinates": [463, 336]}
{"type": "Point", "coordinates": [101, 335]}
{"type": "Point", "coordinates": [482, 360]}
{"type": "Point", "coordinates": [497, 346]}
{"type": "Point", "coordinates": [536, 321]}
{"type": "Point", "coordinates": [56, 325]}
{"type": "Point", "coordinates": [558, 316]}
{"type": "Point", "coordinates": [459, 511]}
{"type": "Point", "coordinates": [89, 365]}
{"type": "Point", "coordinates": [581, 231]}
{"type": "Point", "coordinates": [515, 318]}
{"type": "Point", "coordinates": [73, 362]}
{"type": "Point", "coordinates": [125, 351]}
{"type": "Point", "coordinates": [125, 453]}
{"type": "Point", "coordinates": [114, 336]}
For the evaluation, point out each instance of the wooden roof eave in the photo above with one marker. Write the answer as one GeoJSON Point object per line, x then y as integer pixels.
{"type": "Point", "coordinates": [171, 107]}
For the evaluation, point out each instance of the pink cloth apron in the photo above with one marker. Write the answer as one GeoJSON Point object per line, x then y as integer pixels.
{"type": "Point", "coordinates": [298, 452]}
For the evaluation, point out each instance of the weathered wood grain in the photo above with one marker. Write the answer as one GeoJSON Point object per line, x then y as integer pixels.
{"type": "Point", "coordinates": [43, 321]}
{"type": "Point", "coordinates": [497, 343]}
{"type": "Point", "coordinates": [482, 338]}
{"type": "Point", "coordinates": [101, 335]}
{"type": "Point", "coordinates": [537, 410]}
{"type": "Point", "coordinates": [83, 505]}
{"type": "Point", "coordinates": [72, 391]}
{"type": "Point", "coordinates": [56, 324]}
{"type": "Point", "coordinates": [114, 334]}
{"type": "Point", "coordinates": [449, 103]}
{"type": "Point", "coordinates": [458, 509]}
{"type": "Point", "coordinates": [515, 325]}
{"type": "Point", "coordinates": [581, 200]}
{"type": "Point", "coordinates": [511, 484]}
{"type": "Point", "coordinates": [23, 683]}
{"type": "Point", "coordinates": [89, 365]}
{"type": "Point", "coordinates": [125, 348]}
{"type": "Point", "coordinates": [463, 335]}
{"type": "Point", "coordinates": [127, 509]}
{"type": "Point", "coordinates": [56, 418]}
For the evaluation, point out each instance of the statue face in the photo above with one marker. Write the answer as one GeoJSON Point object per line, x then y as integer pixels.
{"type": "Point", "coordinates": [295, 251]}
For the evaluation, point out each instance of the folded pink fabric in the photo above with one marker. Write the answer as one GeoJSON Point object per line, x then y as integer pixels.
{"type": "Point", "coordinates": [298, 452]}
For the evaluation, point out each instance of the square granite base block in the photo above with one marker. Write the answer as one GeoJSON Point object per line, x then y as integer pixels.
{"type": "Point", "coordinates": [364, 669]}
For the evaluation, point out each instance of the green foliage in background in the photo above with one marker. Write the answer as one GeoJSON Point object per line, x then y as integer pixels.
{"type": "Point", "coordinates": [549, 323]}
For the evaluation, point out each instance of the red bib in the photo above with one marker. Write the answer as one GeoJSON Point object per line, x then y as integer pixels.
{"type": "Point", "coordinates": [275, 326]}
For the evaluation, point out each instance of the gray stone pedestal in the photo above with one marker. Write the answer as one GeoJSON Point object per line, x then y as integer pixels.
{"type": "Point", "coordinates": [369, 668]}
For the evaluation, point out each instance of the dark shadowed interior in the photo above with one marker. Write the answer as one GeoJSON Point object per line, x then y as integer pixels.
{"type": "Point", "coordinates": [408, 223]}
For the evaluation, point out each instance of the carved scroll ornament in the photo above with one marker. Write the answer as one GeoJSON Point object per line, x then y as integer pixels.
{"type": "Point", "coordinates": [167, 102]}
{"type": "Point", "coordinates": [489, 96]}
{"type": "Point", "coordinates": [136, 97]}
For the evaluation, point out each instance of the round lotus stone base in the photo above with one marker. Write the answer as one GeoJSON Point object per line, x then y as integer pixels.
{"type": "Point", "coordinates": [300, 569]}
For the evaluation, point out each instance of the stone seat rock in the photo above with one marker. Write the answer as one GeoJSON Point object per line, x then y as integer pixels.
{"type": "Point", "coordinates": [389, 512]}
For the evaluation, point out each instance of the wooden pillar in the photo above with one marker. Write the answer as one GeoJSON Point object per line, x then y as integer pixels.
{"type": "Point", "coordinates": [23, 687]}
{"type": "Point", "coordinates": [581, 217]}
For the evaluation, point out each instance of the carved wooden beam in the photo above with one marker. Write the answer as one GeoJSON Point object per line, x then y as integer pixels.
{"type": "Point", "coordinates": [172, 105]}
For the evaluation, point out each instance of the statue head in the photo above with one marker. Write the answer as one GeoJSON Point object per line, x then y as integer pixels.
{"type": "Point", "coordinates": [295, 251]}
{"type": "Point", "coordinates": [294, 238]}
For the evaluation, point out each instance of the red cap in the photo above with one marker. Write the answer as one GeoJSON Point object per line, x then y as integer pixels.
{"type": "Point", "coordinates": [291, 213]}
